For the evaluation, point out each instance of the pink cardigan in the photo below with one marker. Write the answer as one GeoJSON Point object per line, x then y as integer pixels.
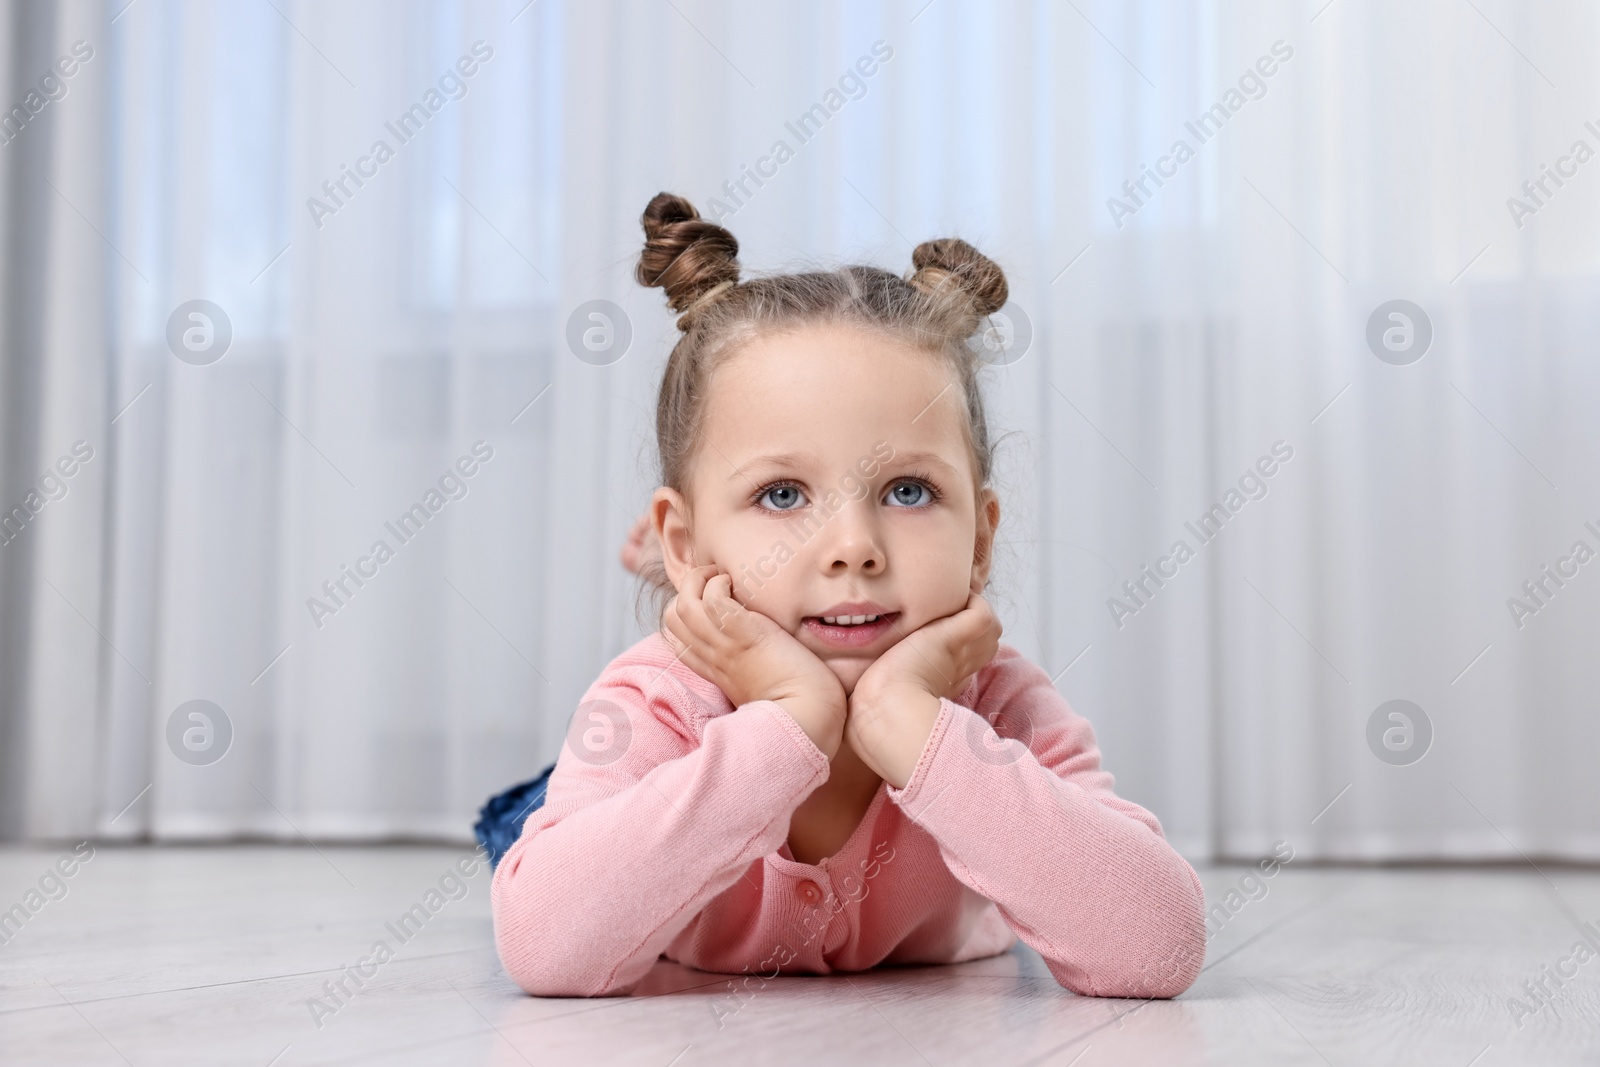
{"type": "Point", "coordinates": [671, 839]}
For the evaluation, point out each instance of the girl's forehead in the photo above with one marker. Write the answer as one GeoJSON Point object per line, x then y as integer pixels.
{"type": "Point", "coordinates": [838, 364]}
{"type": "Point", "coordinates": [831, 390]}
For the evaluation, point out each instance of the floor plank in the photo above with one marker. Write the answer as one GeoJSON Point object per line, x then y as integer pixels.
{"type": "Point", "coordinates": [212, 955]}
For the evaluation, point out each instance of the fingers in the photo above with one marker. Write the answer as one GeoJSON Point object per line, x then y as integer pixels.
{"type": "Point", "coordinates": [689, 603]}
{"type": "Point", "coordinates": [981, 607]}
{"type": "Point", "coordinates": [719, 602]}
{"type": "Point", "coordinates": [686, 645]}
{"type": "Point", "coordinates": [979, 617]}
{"type": "Point", "coordinates": [720, 587]}
{"type": "Point", "coordinates": [705, 609]}
{"type": "Point", "coordinates": [968, 624]}
{"type": "Point", "coordinates": [691, 620]}
{"type": "Point", "coordinates": [983, 626]}
{"type": "Point", "coordinates": [691, 586]}
{"type": "Point", "coordinates": [735, 648]}
{"type": "Point", "coordinates": [961, 643]}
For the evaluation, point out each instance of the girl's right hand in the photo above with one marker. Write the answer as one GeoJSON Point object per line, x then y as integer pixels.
{"type": "Point", "coordinates": [750, 657]}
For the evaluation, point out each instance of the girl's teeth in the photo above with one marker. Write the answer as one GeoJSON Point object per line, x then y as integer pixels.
{"type": "Point", "coordinates": [849, 620]}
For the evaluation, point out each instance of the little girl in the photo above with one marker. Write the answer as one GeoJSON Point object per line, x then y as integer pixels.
{"type": "Point", "coordinates": [825, 760]}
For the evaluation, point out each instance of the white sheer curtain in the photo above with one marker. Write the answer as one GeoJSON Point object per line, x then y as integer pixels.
{"type": "Point", "coordinates": [377, 338]}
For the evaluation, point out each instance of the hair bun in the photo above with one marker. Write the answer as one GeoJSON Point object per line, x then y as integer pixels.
{"type": "Point", "coordinates": [683, 253]}
{"type": "Point", "coordinates": [949, 264]}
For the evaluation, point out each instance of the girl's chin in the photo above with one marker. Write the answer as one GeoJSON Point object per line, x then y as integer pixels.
{"type": "Point", "coordinates": [848, 671]}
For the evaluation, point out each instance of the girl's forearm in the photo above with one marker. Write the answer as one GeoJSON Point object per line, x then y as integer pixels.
{"type": "Point", "coordinates": [1081, 875]}
{"type": "Point", "coordinates": [590, 896]}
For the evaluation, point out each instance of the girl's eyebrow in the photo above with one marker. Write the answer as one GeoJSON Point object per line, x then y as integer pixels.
{"type": "Point", "coordinates": [801, 459]}
{"type": "Point", "coordinates": [920, 459]}
{"type": "Point", "coordinates": [775, 459]}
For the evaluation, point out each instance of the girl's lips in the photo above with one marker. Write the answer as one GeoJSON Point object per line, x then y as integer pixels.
{"type": "Point", "coordinates": [845, 637]}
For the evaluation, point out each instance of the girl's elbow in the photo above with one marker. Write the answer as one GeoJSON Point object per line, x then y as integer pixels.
{"type": "Point", "coordinates": [556, 981]}
{"type": "Point", "coordinates": [546, 948]}
{"type": "Point", "coordinates": [1156, 977]}
{"type": "Point", "coordinates": [1170, 962]}
{"type": "Point", "coordinates": [1169, 977]}
{"type": "Point", "coordinates": [1171, 968]}
{"type": "Point", "coordinates": [1141, 969]}
{"type": "Point", "coordinates": [548, 956]}
{"type": "Point", "coordinates": [542, 972]}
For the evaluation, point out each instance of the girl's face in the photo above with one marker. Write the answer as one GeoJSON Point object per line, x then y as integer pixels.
{"type": "Point", "coordinates": [834, 479]}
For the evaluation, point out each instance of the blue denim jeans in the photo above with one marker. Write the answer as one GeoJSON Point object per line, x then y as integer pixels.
{"type": "Point", "coordinates": [500, 820]}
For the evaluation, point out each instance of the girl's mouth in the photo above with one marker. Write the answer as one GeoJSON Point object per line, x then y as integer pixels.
{"type": "Point", "coordinates": [849, 631]}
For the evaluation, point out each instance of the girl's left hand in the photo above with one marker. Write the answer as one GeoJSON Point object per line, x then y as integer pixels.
{"type": "Point", "coordinates": [896, 702]}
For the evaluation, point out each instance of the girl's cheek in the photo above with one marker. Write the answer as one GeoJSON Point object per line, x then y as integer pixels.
{"type": "Point", "coordinates": [939, 558]}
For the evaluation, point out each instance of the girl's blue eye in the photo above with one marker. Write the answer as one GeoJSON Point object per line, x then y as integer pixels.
{"type": "Point", "coordinates": [909, 495]}
{"type": "Point", "coordinates": [782, 498]}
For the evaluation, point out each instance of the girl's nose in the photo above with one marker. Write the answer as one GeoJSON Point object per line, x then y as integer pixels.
{"type": "Point", "coordinates": [856, 546]}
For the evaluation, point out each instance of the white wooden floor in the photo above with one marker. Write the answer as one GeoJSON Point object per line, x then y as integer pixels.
{"type": "Point", "coordinates": [212, 956]}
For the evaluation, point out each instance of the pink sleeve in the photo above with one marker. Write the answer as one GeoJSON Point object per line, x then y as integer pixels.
{"type": "Point", "coordinates": [1082, 875]}
{"type": "Point", "coordinates": [623, 856]}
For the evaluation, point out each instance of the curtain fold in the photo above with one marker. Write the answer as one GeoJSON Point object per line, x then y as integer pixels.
{"type": "Point", "coordinates": [59, 270]}
{"type": "Point", "coordinates": [400, 315]}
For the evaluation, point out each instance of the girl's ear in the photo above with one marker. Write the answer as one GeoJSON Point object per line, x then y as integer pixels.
{"type": "Point", "coordinates": [669, 515]}
{"type": "Point", "coordinates": [983, 547]}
